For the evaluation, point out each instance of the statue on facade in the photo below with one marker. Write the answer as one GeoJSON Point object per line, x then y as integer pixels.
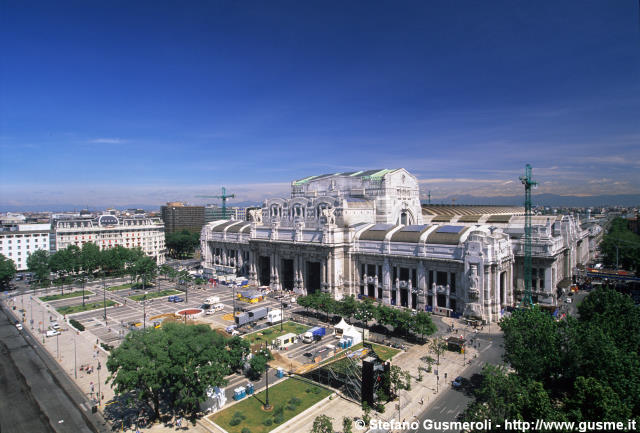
{"type": "Point", "coordinates": [329, 214]}
{"type": "Point", "coordinates": [256, 215]}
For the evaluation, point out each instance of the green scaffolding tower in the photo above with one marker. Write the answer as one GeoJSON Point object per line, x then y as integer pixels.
{"type": "Point", "coordinates": [528, 183]}
{"type": "Point", "coordinates": [224, 198]}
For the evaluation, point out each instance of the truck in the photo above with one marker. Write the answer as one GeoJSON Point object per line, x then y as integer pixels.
{"type": "Point", "coordinates": [251, 316]}
{"type": "Point", "coordinates": [212, 300]}
{"type": "Point", "coordinates": [314, 334]}
{"type": "Point", "coordinates": [274, 316]}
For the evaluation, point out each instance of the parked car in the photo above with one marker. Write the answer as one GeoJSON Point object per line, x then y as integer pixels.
{"type": "Point", "coordinates": [457, 382]}
{"type": "Point", "coordinates": [19, 326]}
{"type": "Point", "coordinates": [568, 301]}
{"type": "Point", "coordinates": [55, 325]}
{"type": "Point", "coordinates": [175, 298]}
{"type": "Point", "coordinates": [52, 333]}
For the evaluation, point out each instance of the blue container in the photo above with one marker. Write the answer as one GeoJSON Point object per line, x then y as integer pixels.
{"type": "Point", "coordinates": [249, 388]}
{"type": "Point", "coordinates": [280, 372]}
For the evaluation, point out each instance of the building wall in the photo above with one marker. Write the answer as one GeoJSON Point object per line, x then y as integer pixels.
{"type": "Point", "coordinates": [18, 244]}
{"type": "Point", "coordinates": [145, 233]}
{"type": "Point", "coordinates": [178, 218]}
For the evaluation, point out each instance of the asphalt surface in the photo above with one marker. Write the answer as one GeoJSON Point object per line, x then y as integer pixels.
{"type": "Point", "coordinates": [36, 394]}
{"type": "Point", "coordinates": [452, 402]}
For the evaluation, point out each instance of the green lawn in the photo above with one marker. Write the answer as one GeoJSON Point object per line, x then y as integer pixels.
{"type": "Point", "coordinates": [65, 296]}
{"type": "Point", "coordinates": [70, 309]}
{"type": "Point", "coordinates": [288, 398]}
{"type": "Point", "coordinates": [120, 287]}
{"type": "Point", "coordinates": [152, 295]}
{"type": "Point", "coordinates": [269, 334]}
{"type": "Point", "coordinates": [384, 352]}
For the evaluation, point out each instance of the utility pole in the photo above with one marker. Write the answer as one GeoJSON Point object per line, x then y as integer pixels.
{"type": "Point", "coordinates": [528, 183]}
{"type": "Point", "coordinates": [75, 358]}
{"type": "Point", "coordinates": [104, 299]}
{"type": "Point", "coordinates": [144, 311]}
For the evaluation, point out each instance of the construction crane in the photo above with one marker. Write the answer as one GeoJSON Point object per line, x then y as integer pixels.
{"type": "Point", "coordinates": [224, 198]}
{"type": "Point", "coordinates": [528, 183]}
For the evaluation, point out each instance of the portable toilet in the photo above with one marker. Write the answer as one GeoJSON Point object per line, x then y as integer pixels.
{"type": "Point", "coordinates": [239, 393]}
{"type": "Point", "coordinates": [280, 372]}
{"type": "Point", "coordinates": [249, 388]}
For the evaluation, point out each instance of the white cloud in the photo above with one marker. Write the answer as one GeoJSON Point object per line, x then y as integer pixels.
{"type": "Point", "coordinates": [107, 141]}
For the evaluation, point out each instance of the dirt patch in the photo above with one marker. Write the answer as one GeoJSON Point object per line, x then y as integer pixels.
{"type": "Point", "coordinates": [280, 360]}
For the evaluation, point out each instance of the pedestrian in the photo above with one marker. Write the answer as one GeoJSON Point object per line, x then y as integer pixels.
{"type": "Point", "coordinates": [179, 422]}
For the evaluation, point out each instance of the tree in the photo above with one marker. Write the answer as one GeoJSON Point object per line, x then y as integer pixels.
{"type": "Point", "coordinates": [532, 344]}
{"type": "Point", "coordinates": [322, 424]}
{"type": "Point", "coordinates": [348, 307]}
{"type": "Point", "coordinates": [325, 303]}
{"type": "Point", "coordinates": [144, 269]}
{"type": "Point", "coordinates": [172, 366]}
{"type": "Point", "coordinates": [621, 247]}
{"type": "Point", "coordinates": [38, 263]}
{"type": "Point", "coordinates": [7, 270]}
{"type": "Point", "coordinates": [258, 363]}
{"type": "Point", "coordinates": [396, 379]}
{"type": "Point", "coordinates": [238, 349]}
{"type": "Point", "coordinates": [347, 425]}
{"type": "Point", "coordinates": [182, 244]}
{"type": "Point", "coordinates": [365, 312]}
{"type": "Point", "coordinates": [438, 346]}
{"type": "Point", "coordinates": [423, 324]}
{"type": "Point", "coordinates": [90, 258]}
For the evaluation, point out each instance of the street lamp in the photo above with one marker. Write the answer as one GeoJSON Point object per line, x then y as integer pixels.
{"type": "Point", "coordinates": [267, 406]}
{"type": "Point", "coordinates": [233, 286]}
{"type": "Point", "coordinates": [281, 311]}
{"type": "Point", "coordinates": [104, 299]}
{"type": "Point", "coordinates": [144, 309]}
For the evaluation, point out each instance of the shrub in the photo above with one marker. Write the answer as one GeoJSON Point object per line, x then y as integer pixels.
{"type": "Point", "coordinates": [79, 326]}
{"type": "Point", "coordinates": [291, 407]}
{"type": "Point", "coordinates": [295, 401]}
{"type": "Point", "coordinates": [267, 422]}
{"type": "Point", "coordinates": [278, 418]}
{"type": "Point", "coordinates": [235, 421]}
{"type": "Point", "coordinates": [279, 410]}
{"type": "Point", "coordinates": [380, 408]}
{"type": "Point", "coordinates": [246, 430]}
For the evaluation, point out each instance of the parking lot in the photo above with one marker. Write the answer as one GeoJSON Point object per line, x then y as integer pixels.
{"type": "Point", "coordinates": [145, 312]}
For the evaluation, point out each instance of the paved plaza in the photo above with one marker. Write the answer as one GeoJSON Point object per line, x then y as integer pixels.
{"type": "Point", "coordinates": [80, 353]}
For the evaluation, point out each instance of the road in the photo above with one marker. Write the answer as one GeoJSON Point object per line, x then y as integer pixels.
{"type": "Point", "coordinates": [451, 402]}
{"type": "Point", "coordinates": [33, 399]}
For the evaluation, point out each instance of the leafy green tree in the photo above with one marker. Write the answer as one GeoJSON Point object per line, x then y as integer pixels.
{"type": "Point", "coordinates": [532, 344]}
{"type": "Point", "coordinates": [172, 366]}
{"type": "Point", "coordinates": [322, 424]}
{"type": "Point", "coordinates": [324, 302]}
{"type": "Point", "coordinates": [145, 269]}
{"type": "Point", "coordinates": [365, 312]}
{"type": "Point", "coordinates": [437, 346]}
{"type": "Point", "coordinates": [7, 270]}
{"type": "Point", "coordinates": [347, 307]}
{"type": "Point", "coordinates": [182, 244]}
{"type": "Point", "coordinates": [238, 349]}
{"type": "Point", "coordinates": [38, 263]}
{"type": "Point", "coordinates": [258, 363]}
{"type": "Point", "coordinates": [347, 425]}
{"type": "Point", "coordinates": [90, 258]}
{"type": "Point", "coordinates": [423, 324]}
{"type": "Point", "coordinates": [114, 260]}
{"type": "Point", "coordinates": [620, 246]}
{"type": "Point", "coordinates": [592, 399]}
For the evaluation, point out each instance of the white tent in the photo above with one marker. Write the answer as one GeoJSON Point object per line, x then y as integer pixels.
{"type": "Point", "coordinates": [341, 327]}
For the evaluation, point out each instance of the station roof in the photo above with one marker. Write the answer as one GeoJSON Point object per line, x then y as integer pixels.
{"type": "Point", "coordinates": [410, 233]}
{"type": "Point", "coordinates": [239, 228]}
{"type": "Point", "coordinates": [221, 227]}
{"type": "Point", "coordinates": [459, 210]}
{"type": "Point", "coordinates": [447, 235]}
{"type": "Point", "coordinates": [364, 174]}
{"type": "Point", "coordinates": [377, 232]}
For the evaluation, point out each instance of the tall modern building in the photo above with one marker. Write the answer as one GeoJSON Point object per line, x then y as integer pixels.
{"type": "Point", "coordinates": [18, 241]}
{"type": "Point", "coordinates": [177, 216]}
{"type": "Point", "coordinates": [366, 234]}
{"type": "Point", "coordinates": [214, 213]}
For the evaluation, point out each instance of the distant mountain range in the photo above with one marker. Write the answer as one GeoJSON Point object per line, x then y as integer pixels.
{"type": "Point", "coordinates": [554, 200]}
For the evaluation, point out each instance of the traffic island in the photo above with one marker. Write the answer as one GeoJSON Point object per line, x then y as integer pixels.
{"type": "Point", "coordinates": [72, 309]}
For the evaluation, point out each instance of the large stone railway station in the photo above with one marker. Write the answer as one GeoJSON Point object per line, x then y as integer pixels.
{"type": "Point", "coordinates": [366, 234]}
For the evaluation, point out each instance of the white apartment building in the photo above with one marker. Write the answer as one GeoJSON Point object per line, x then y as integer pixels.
{"type": "Point", "coordinates": [107, 231]}
{"type": "Point", "coordinates": [19, 241]}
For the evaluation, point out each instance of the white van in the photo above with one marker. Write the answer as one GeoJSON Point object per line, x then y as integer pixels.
{"type": "Point", "coordinates": [212, 300]}
{"type": "Point", "coordinates": [274, 316]}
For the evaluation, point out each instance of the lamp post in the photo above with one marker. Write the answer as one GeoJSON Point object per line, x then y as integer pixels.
{"type": "Point", "coordinates": [267, 406]}
{"type": "Point", "coordinates": [144, 311]}
{"type": "Point", "coordinates": [99, 366]}
{"type": "Point", "coordinates": [57, 347]}
{"type": "Point", "coordinates": [75, 358]}
{"type": "Point", "coordinates": [281, 311]}
{"type": "Point", "coordinates": [234, 301]}
{"type": "Point", "coordinates": [104, 299]}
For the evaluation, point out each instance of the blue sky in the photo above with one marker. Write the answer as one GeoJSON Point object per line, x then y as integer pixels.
{"type": "Point", "coordinates": [113, 103]}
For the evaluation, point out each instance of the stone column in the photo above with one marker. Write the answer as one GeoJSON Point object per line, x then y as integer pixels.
{"type": "Point", "coordinates": [448, 294]}
{"type": "Point", "coordinates": [422, 287]}
{"type": "Point", "coordinates": [323, 274]}
{"type": "Point", "coordinates": [486, 307]}
{"type": "Point", "coordinates": [386, 281]}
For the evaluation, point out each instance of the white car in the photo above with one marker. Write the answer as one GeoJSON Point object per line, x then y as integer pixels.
{"type": "Point", "coordinates": [19, 326]}
{"type": "Point", "coordinates": [52, 333]}
{"type": "Point", "coordinates": [55, 325]}
{"type": "Point", "coordinates": [568, 301]}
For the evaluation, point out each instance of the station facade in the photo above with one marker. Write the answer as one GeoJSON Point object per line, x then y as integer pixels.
{"type": "Point", "coordinates": [366, 234]}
